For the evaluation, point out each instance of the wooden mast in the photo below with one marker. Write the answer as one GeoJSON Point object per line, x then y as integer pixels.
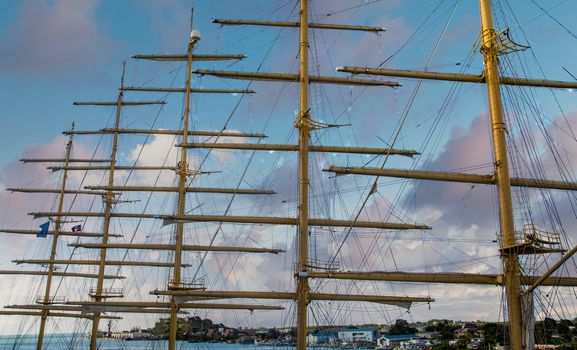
{"type": "Point", "coordinates": [108, 202]}
{"type": "Point", "coordinates": [512, 279]}
{"type": "Point", "coordinates": [511, 269]}
{"type": "Point", "coordinates": [57, 224]}
{"type": "Point", "coordinates": [303, 124]}
{"type": "Point", "coordinates": [182, 182]}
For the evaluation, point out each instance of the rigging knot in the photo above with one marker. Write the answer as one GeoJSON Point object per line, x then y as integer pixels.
{"type": "Point", "coordinates": [307, 123]}
{"type": "Point", "coordinates": [500, 126]}
{"type": "Point", "coordinates": [109, 198]}
{"type": "Point", "coordinates": [182, 169]}
{"type": "Point", "coordinates": [304, 120]}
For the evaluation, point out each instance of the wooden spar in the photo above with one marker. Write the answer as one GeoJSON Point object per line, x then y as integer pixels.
{"type": "Point", "coordinates": [291, 296]}
{"type": "Point", "coordinates": [144, 304]}
{"type": "Point", "coordinates": [77, 214]}
{"type": "Point", "coordinates": [541, 280]}
{"type": "Point", "coordinates": [49, 190]}
{"type": "Point", "coordinates": [439, 277]}
{"type": "Point", "coordinates": [312, 148]}
{"type": "Point", "coordinates": [235, 22]}
{"type": "Point", "coordinates": [182, 184]}
{"type": "Point", "coordinates": [54, 314]}
{"type": "Point", "coordinates": [172, 247]}
{"type": "Point", "coordinates": [464, 78]}
{"type": "Point", "coordinates": [246, 220]}
{"type": "Point", "coordinates": [44, 307]}
{"type": "Point", "coordinates": [223, 133]}
{"type": "Point", "coordinates": [79, 308]}
{"type": "Point", "coordinates": [184, 57]}
{"type": "Point", "coordinates": [187, 189]}
{"type": "Point", "coordinates": [192, 91]}
{"type": "Point", "coordinates": [115, 103]}
{"type": "Point", "coordinates": [453, 177]}
{"type": "Point", "coordinates": [311, 222]}
{"type": "Point", "coordinates": [58, 274]}
{"type": "Point", "coordinates": [128, 168]}
{"type": "Point", "coordinates": [282, 77]}
{"type": "Point", "coordinates": [57, 168]}
{"type": "Point", "coordinates": [96, 262]}
{"type": "Point", "coordinates": [62, 233]}
{"type": "Point", "coordinates": [57, 227]}
{"type": "Point", "coordinates": [511, 267]}
{"type": "Point", "coordinates": [303, 123]}
{"type": "Point", "coordinates": [49, 160]}
{"type": "Point", "coordinates": [381, 299]}
{"type": "Point", "coordinates": [108, 203]}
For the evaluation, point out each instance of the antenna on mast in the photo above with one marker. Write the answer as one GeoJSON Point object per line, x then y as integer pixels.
{"type": "Point", "coordinates": [191, 18]}
{"type": "Point", "coordinates": [123, 73]}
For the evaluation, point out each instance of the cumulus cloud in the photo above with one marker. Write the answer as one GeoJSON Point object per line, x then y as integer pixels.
{"type": "Point", "coordinates": [160, 151]}
{"type": "Point", "coordinates": [35, 175]}
{"type": "Point", "coordinates": [561, 146]}
{"type": "Point", "coordinates": [457, 205]}
{"type": "Point", "coordinates": [14, 209]}
{"type": "Point", "coordinates": [224, 157]}
{"type": "Point", "coordinates": [457, 213]}
{"type": "Point", "coordinates": [452, 209]}
{"type": "Point", "coordinates": [168, 21]}
{"type": "Point", "coordinates": [54, 35]}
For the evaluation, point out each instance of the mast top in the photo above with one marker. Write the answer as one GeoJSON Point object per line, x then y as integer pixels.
{"type": "Point", "coordinates": [194, 36]}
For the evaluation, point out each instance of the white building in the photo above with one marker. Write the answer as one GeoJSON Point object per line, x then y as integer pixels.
{"type": "Point", "coordinates": [130, 335]}
{"type": "Point", "coordinates": [321, 338]}
{"type": "Point", "coordinates": [357, 335]}
{"type": "Point", "coordinates": [391, 341]}
{"type": "Point", "coordinates": [415, 344]}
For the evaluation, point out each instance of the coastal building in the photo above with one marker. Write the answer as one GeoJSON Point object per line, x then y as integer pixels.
{"type": "Point", "coordinates": [428, 335]}
{"type": "Point", "coordinates": [130, 335]}
{"type": "Point", "coordinates": [477, 342]}
{"type": "Point", "coordinates": [468, 329]}
{"type": "Point", "coordinates": [321, 338]}
{"type": "Point", "coordinates": [357, 335]}
{"type": "Point", "coordinates": [391, 341]}
{"type": "Point", "coordinates": [415, 344]}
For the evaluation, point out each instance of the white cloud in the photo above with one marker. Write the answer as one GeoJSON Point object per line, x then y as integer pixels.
{"type": "Point", "coordinates": [54, 35]}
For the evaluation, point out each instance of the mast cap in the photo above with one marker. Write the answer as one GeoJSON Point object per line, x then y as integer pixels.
{"type": "Point", "coordinates": [194, 35]}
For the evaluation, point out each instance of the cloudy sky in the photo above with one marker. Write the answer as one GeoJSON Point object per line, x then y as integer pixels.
{"type": "Point", "coordinates": [55, 52]}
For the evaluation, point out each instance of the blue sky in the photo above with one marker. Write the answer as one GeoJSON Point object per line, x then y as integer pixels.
{"type": "Point", "coordinates": [55, 52]}
{"type": "Point", "coordinates": [39, 86]}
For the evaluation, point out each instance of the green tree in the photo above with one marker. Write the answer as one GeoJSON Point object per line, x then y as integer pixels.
{"type": "Point", "coordinates": [402, 327]}
{"type": "Point", "coordinates": [494, 333]}
{"type": "Point", "coordinates": [564, 328]}
{"type": "Point", "coordinates": [443, 328]}
{"type": "Point", "coordinates": [544, 330]}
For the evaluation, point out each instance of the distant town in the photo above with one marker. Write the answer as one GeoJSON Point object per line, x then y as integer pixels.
{"type": "Point", "coordinates": [433, 334]}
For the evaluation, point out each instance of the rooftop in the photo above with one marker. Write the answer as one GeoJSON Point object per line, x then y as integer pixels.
{"type": "Point", "coordinates": [400, 336]}
{"type": "Point", "coordinates": [358, 330]}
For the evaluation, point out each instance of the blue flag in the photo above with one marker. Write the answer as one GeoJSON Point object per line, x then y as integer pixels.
{"type": "Point", "coordinates": [44, 229]}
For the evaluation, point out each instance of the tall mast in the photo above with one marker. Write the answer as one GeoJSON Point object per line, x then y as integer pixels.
{"type": "Point", "coordinates": [183, 177]}
{"type": "Point", "coordinates": [511, 268]}
{"type": "Point", "coordinates": [57, 225]}
{"type": "Point", "coordinates": [108, 202]}
{"type": "Point", "coordinates": [303, 124]}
